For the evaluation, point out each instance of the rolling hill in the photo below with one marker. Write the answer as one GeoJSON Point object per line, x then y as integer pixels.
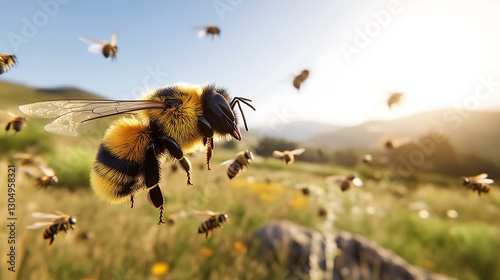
{"type": "Point", "coordinates": [470, 132]}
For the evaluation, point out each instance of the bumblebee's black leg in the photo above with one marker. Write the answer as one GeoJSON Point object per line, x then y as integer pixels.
{"type": "Point", "coordinates": [208, 141]}
{"type": "Point", "coordinates": [7, 127]}
{"type": "Point", "coordinates": [155, 197]}
{"type": "Point", "coordinates": [132, 201]}
{"type": "Point", "coordinates": [151, 168]}
{"type": "Point", "coordinates": [51, 240]}
{"type": "Point", "coordinates": [176, 152]}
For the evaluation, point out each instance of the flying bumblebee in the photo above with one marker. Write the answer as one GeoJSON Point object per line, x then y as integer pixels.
{"type": "Point", "coordinates": [479, 183]}
{"type": "Point", "coordinates": [299, 79]}
{"type": "Point", "coordinates": [7, 61]}
{"type": "Point", "coordinates": [98, 46]}
{"type": "Point", "coordinates": [346, 182]}
{"type": "Point", "coordinates": [216, 220]}
{"type": "Point", "coordinates": [395, 99]}
{"type": "Point", "coordinates": [59, 222]}
{"type": "Point", "coordinates": [239, 163]}
{"type": "Point", "coordinates": [211, 30]}
{"type": "Point", "coordinates": [288, 156]}
{"type": "Point", "coordinates": [170, 122]}
{"type": "Point", "coordinates": [16, 123]}
{"type": "Point", "coordinates": [367, 159]}
{"type": "Point", "coordinates": [43, 175]}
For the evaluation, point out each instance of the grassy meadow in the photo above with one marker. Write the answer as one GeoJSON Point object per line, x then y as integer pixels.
{"type": "Point", "coordinates": [128, 243]}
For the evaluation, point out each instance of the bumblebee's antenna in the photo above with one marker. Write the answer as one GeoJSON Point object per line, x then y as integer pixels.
{"type": "Point", "coordinates": [236, 100]}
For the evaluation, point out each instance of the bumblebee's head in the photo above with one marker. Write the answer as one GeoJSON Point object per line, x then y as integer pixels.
{"type": "Point", "coordinates": [53, 180]}
{"type": "Point", "coordinates": [465, 181]}
{"type": "Point", "coordinates": [223, 218]}
{"type": "Point", "coordinates": [248, 155]}
{"type": "Point", "coordinates": [72, 220]}
{"type": "Point", "coordinates": [218, 112]}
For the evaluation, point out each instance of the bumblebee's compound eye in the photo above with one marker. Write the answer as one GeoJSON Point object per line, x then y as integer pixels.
{"type": "Point", "coordinates": [221, 116]}
{"type": "Point", "coordinates": [248, 155]}
{"type": "Point", "coordinates": [465, 181]}
{"type": "Point", "coordinates": [72, 220]}
{"type": "Point", "coordinates": [222, 218]}
{"type": "Point", "coordinates": [53, 180]}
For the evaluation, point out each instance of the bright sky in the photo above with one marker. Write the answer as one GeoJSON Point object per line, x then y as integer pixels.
{"type": "Point", "coordinates": [435, 51]}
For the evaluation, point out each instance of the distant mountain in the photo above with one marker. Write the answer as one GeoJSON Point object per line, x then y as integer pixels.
{"type": "Point", "coordinates": [470, 132]}
{"type": "Point", "coordinates": [13, 95]}
{"type": "Point", "coordinates": [296, 131]}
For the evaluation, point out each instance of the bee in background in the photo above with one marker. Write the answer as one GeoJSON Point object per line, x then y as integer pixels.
{"type": "Point", "coordinates": [98, 46]}
{"type": "Point", "coordinates": [216, 220]}
{"type": "Point", "coordinates": [59, 222]}
{"type": "Point", "coordinates": [86, 235]}
{"type": "Point", "coordinates": [395, 99]}
{"type": "Point", "coordinates": [174, 167]}
{"type": "Point", "coordinates": [211, 30]}
{"type": "Point", "coordinates": [174, 217]}
{"type": "Point", "coordinates": [299, 79]}
{"type": "Point", "coordinates": [321, 152]}
{"type": "Point", "coordinates": [367, 159]}
{"type": "Point", "coordinates": [308, 189]}
{"type": "Point", "coordinates": [168, 118]}
{"type": "Point", "coordinates": [7, 61]}
{"type": "Point", "coordinates": [322, 212]}
{"type": "Point", "coordinates": [346, 182]}
{"type": "Point", "coordinates": [239, 163]}
{"type": "Point", "coordinates": [43, 175]}
{"type": "Point", "coordinates": [479, 183]}
{"type": "Point", "coordinates": [350, 180]}
{"type": "Point", "coordinates": [16, 123]}
{"type": "Point", "coordinates": [288, 156]}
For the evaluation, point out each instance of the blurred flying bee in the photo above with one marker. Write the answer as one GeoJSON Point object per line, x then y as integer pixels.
{"type": "Point", "coordinates": [346, 182]}
{"type": "Point", "coordinates": [43, 175]}
{"type": "Point", "coordinates": [216, 220]}
{"type": "Point", "coordinates": [174, 217]}
{"type": "Point", "coordinates": [99, 46]}
{"type": "Point", "coordinates": [288, 156]}
{"type": "Point", "coordinates": [59, 222]}
{"type": "Point", "coordinates": [17, 123]}
{"type": "Point", "coordinates": [367, 159]}
{"type": "Point", "coordinates": [321, 152]}
{"type": "Point", "coordinates": [322, 212]}
{"type": "Point", "coordinates": [169, 122]}
{"type": "Point", "coordinates": [395, 99]}
{"type": "Point", "coordinates": [211, 30]}
{"type": "Point", "coordinates": [299, 79]}
{"type": "Point", "coordinates": [239, 163]}
{"type": "Point", "coordinates": [86, 235]}
{"type": "Point", "coordinates": [479, 183]}
{"type": "Point", "coordinates": [7, 61]}
{"type": "Point", "coordinates": [174, 167]}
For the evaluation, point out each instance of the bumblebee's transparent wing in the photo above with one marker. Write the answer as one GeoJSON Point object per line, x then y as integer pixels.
{"type": "Point", "coordinates": [297, 152]}
{"type": "Point", "coordinates": [38, 225]}
{"type": "Point", "coordinates": [334, 178]}
{"type": "Point", "coordinates": [47, 170]}
{"type": "Point", "coordinates": [71, 115]}
{"type": "Point", "coordinates": [278, 154]}
{"type": "Point", "coordinates": [31, 171]}
{"type": "Point", "coordinates": [95, 46]}
{"type": "Point", "coordinates": [202, 33]}
{"type": "Point", "coordinates": [40, 215]}
{"type": "Point", "coordinates": [114, 39]}
{"type": "Point", "coordinates": [481, 176]}
{"type": "Point", "coordinates": [357, 182]}
{"type": "Point", "coordinates": [203, 213]}
{"type": "Point", "coordinates": [227, 161]}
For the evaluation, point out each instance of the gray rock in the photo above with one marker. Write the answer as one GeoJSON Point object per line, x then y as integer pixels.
{"type": "Point", "coordinates": [308, 254]}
